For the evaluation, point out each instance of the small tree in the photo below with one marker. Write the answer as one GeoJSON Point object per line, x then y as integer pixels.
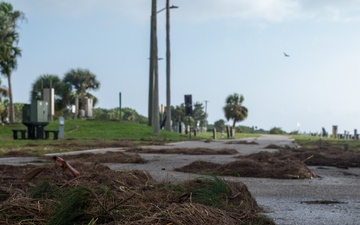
{"type": "Point", "coordinates": [199, 114]}
{"type": "Point", "coordinates": [178, 113]}
{"type": "Point", "coordinates": [220, 125]}
{"type": "Point", "coordinates": [189, 121]}
{"type": "Point", "coordinates": [324, 132]}
{"type": "Point", "coordinates": [234, 109]}
{"type": "Point", "coordinates": [276, 130]}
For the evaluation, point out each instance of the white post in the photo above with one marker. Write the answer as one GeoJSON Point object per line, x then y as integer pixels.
{"type": "Point", "coordinates": [61, 127]}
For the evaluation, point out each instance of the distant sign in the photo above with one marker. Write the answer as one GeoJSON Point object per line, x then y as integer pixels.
{"type": "Point", "coordinates": [188, 105]}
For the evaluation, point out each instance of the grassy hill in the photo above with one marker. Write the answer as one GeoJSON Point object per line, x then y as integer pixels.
{"type": "Point", "coordinates": [88, 134]}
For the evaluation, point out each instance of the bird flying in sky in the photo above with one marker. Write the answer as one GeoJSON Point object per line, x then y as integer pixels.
{"type": "Point", "coordinates": [286, 55]}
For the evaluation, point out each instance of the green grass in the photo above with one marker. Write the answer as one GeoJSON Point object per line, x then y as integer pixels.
{"type": "Point", "coordinates": [90, 132]}
{"type": "Point", "coordinates": [209, 135]}
{"type": "Point", "coordinates": [312, 141]}
{"type": "Point", "coordinates": [212, 192]}
{"type": "Point", "coordinates": [72, 206]}
{"type": "Point", "coordinates": [87, 134]}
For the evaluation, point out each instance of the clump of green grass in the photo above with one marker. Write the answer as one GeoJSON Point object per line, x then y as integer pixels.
{"type": "Point", "coordinates": [43, 190]}
{"type": "Point", "coordinates": [210, 192]}
{"type": "Point", "coordinates": [72, 207]}
{"type": "Point", "coordinates": [217, 193]}
{"type": "Point", "coordinates": [206, 191]}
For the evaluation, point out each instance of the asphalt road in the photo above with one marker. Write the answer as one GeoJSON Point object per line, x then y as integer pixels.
{"type": "Point", "coordinates": [332, 199]}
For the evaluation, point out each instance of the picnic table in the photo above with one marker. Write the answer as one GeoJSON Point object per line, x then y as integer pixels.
{"type": "Point", "coordinates": [35, 130]}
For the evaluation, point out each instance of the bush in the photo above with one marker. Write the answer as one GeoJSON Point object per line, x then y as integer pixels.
{"type": "Point", "coordinates": [276, 130]}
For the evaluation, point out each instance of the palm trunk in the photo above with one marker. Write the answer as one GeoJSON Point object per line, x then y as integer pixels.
{"type": "Point", "coordinates": [233, 127]}
{"type": "Point", "coordinates": [12, 111]}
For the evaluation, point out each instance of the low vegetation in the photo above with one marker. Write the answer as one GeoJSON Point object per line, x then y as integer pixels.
{"type": "Point", "coordinates": [90, 134]}
{"type": "Point", "coordinates": [316, 142]}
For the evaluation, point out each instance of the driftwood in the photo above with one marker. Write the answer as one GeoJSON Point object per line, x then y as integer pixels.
{"type": "Point", "coordinates": [66, 166]}
{"type": "Point", "coordinates": [308, 158]}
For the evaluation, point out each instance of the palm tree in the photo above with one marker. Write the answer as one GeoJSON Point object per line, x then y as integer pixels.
{"type": "Point", "coordinates": [81, 81]}
{"type": "Point", "coordinates": [220, 125]}
{"type": "Point", "coordinates": [62, 91]}
{"type": "Point", "coordinates": [178, 113]}
{"type": "Point", "coordinates": [7, 66]}
{"type": "Point", "coordinates": [234, 109]}
{"type": "Point", "coordinates": [3, 93]}
{"type": "Point", "coordinates": [8, 51]}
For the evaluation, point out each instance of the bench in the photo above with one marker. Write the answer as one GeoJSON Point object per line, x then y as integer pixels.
{"type": "Point", "coordinates": [55, 132]}
{"type": "Point", "coordinates": [15, 133]}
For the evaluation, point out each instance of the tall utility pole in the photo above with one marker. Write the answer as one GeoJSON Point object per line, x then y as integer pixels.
{"type": "Point", "coordinates": [206, 122]}
{"type": "Point", "coordinates": [168, 96]}
{"type": "Point", "coordinates": [206, 101]}
{"type": "Point", "coordinates": [153, 69]}
{"type": "Point", "coordinates": [120, 106]}
{"type": "Point", "coordinates": [151, 74]}
{"type": "Point", "coordinates": [153, 59]}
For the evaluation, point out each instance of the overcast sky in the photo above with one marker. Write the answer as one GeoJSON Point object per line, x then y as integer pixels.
{"type": "Point", "coordinates": [219, 47]}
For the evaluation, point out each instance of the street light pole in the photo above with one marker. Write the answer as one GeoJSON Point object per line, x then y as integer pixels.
{"type": "Point", "coordinates": [155, 72]}
{"type": "Point", "coordinates": [152, 59]}
{"type": "Point", "coordinates": [151, 74]}
{"type": "Point", "coordinates": [206, 101]}
{"type": "Point", "coordinates": [168, 97]}
{"type": "Point", "coordinates": [168, 83]}
{"type": "Point", "coordinates": [206, 121]}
